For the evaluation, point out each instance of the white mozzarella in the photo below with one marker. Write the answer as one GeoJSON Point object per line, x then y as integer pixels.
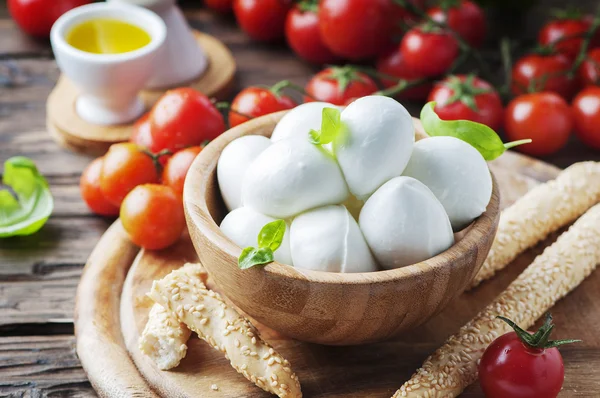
{"type": "Point", "coordinates": [404, 223]}
{"type": "Point", "coordinates": [377, 145]}
{"type": "Point", "coordinates": [243, 225]}
{"type": "Point", "coordinates": [457, 175]}
{"type": "Point", "coordinates": [292, 176]}
{"type": "Point", "coordinates": [328, 239]}
{"type": "Point", "coordinates": [233, 164]}
{"type": "Point", "coordinates": [299, 121]}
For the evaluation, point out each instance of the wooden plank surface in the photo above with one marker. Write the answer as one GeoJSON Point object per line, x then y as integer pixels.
{"type": "Point", "coordinates": [39, 274]}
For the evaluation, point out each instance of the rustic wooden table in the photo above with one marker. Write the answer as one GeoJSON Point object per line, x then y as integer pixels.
{"type": "Point", "coordinates": [39, 273]}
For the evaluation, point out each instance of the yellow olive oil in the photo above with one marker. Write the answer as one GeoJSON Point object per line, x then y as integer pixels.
{"type": "Point", "coordinates": [107, 36]}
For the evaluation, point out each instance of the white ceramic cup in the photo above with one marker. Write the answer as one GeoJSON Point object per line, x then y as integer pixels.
{"type": "Point", "coordinates": [108, 83]}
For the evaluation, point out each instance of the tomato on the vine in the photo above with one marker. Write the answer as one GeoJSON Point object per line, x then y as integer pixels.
{"type": "Point", "coordinates": [589, 70]}
{"type": "Point", "coordinates": [262, 20]}
{"type": "Point", "coordinates": [536, 72]}
{"type": "Point", "coordinates": [429, 50]}
{"type": "Point", "coordinates": [223, 6]}
{"type": "Point", "coordinates": [565, 34]}
{"type": "Point", "coordinates": [36, 17]}
{"type": "Point", "coordinates": [339, 85]}
{"type": "Point", "coordinates": [464, 17]}
{"type": "Point", "coordinates": [125, 166]}
{"type": "Point", "coordinates": [520, 364]}
{"type": "Point", "coordinates": [393, 64]}
{"type": "Point", "coordinates": [177, 167]}
{"type": "Point", "coordinates": [257, 101]}
{"type": "Point", "coordinates": [303, 34]}
{"type": "Point", "coordinates": [184, 117]}
{"type": "Point", "coordinates": [89, 185]}
{"type": "Point", "coordinates": [467, 98]}
{"type": "Point", "coordinates": [544, 117]}
{"type": "Point", "coordinates": [153, 216]}
{"type": "Point", "coordinates": [586, 113]}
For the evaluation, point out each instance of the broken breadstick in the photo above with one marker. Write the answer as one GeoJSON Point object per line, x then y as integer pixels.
{"type": "Point", "coordinates": [553, 274]}
{"type": "Point", "coordinates": [543, 210]}
{"type": "Point", "coordinates": [164, 338]}
{"type": "Point", "coordinates": [205, 312]}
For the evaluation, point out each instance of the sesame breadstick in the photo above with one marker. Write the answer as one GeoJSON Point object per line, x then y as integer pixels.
{"type": "Point", "coordinates": [541, 211]}
{"type": "Point", "coordinates": [164, 338]}
{"type": "Point", "coordinates": [205, 313]}
{"type": "Point", "coordinates": [551, 276]}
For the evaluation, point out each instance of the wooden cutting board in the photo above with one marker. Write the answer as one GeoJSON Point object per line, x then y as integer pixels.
{"type": "Point", "coordinates": [112, 310]}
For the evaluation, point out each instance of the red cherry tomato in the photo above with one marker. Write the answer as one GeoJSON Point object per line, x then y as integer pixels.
{"type": "Point", "coordinates": [393, 64]}
{"type": "Point", "coordinates": [586, 112]}
{"type": "Point", "coordinates": [589, 71]}
{"type": "Point", "coordinates": [257, 101]}
{"type": "Point", "coordinates": [466, 18]}
{"type": "Point", "coordinates": [543, 73]}
{"type": "Point", "coordinates": [125, 166]}
{"type": "Point", "coordinates": [430, 52]}
{"type": "Point", "coordinates": [565, 34]}
{"type": "Point", "coordinates": [544, 117]}
{"type": "Point", "coordinates": [142, 136]}
{"type": "Point", "coordinates": [223, 6]}
{"type": "Point", "coordinates": [262, 19]}
{"type": "Point", "coordinates": [338, 85]}
{"type": "Point", "coordinates": [36, 17]}
{"type": "Point", "coordinates": [177, 167]}
{"type": "Point", "coordinates": [153, 216]}
{"type": "Point", "coordinates": [89, 185]}
{"type": "Point", "coordinates": [467, 98]}
{"type": "Point", "coordinates": [303, 34]}
{"type": "Point", "coordinates": [184, 117]}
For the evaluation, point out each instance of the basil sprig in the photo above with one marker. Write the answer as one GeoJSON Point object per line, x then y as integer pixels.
{"type": "Point", "coordinates": [331, 127]}
{"type": "Point", "coordinates": [269, 240]}
{"type": "Point", "coordinates": [480, 136]}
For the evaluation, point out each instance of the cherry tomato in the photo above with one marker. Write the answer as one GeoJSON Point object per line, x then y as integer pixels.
{"type": "Point", "coordinates": [153, 216]}
{"type": "Point", "coordinates": [223, 6]}
{"type": "Point", "coordinates": [36, 17]}
{"type": "Point", "coordinates": [465, 18]}
{"type": "Point", "coordinates": [262, 19]}
{"type": "Point", "coordinates": [303, 35]}
{"type": "Point", "coordinates": [177, 167]}
{"type": "Point", "coordinates": [356, 29]}
{"type": "Point", "coordinates": [467, 98]}
{"type": "Point", "coordinates": [257, 101]}
{"type": "Point", "coordinates": [339, 85]}
{"type": "Point", "coordinates": [589, 71]}
{"type": "Point", "coordinates": [565, 34]}
{"type": "Point", "coordinates": [142, 136]}
{"type": "Point", "coordinates": [125, 166]}
{"type": "Point", "coordinates": [393, 64]}
{"type": "Point", "coordinates": [184, 117]}
{"type": "Point", "coordinates": [89, 185]}
{"type": "Point", "coordinates": [544, 117]}
{"type": "Point", "coordinates": [586, 112]}
{"type": "Point", "coordinates": [429, 51]}
{"type": "Point", "coordinates": [543, 73]}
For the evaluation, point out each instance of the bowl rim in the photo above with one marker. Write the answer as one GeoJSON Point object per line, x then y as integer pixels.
{"type": "Point", "coordinates": [197, 212]}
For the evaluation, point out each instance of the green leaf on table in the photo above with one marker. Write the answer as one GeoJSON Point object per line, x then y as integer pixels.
{"type": "Point", "coordinates": [480, 136]}
{"type": "Point", "coordinates": [251, 257]}
{"type": "Point", "coordinates": [271, 235]}
{"type": "Point", "coordinates": [26, 203]}
{"type": "Point", "coordinates": [331, 127]}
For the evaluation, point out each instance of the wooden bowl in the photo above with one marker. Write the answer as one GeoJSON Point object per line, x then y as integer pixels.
{"type": "Point", "coordinates": [324, 307]}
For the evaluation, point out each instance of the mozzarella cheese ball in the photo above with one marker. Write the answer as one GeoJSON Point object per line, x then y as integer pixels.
{"type": "Point", "coordinates": [404, 223]}
{"type": "Point", "coordinates": [457, 175]}
{"type": "Point", "coordinates": [292, 176]}
{"type": "Point", "coordinates": [328, 239]}
{"type": "Point", "coordinates": [299, 121]}
{"type": "Point", "coordinates": [243, 225]}
{"type": "Point", "coordinates": [233, 164]}
{"type": "Point", "coordinates": [377, 145]}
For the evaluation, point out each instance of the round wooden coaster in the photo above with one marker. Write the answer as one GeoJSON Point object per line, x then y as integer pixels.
{"type": "Point", "coordinates": [70, 131]}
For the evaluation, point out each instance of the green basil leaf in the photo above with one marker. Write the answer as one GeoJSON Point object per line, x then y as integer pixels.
{"type": "Point", "coordinates": [251, 257]}
{"type": "Point", "coordinates": [28, 209]}
{"type": "Point", "coordinates": [271, 235]}
{"type": "Point", "coordinates": [331, 127]}
{"type": "Point", "coordinates": [480, 136]}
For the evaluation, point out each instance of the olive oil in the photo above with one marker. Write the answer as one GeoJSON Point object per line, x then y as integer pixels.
{"type": "Point", "coordinates": [107, 36]}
